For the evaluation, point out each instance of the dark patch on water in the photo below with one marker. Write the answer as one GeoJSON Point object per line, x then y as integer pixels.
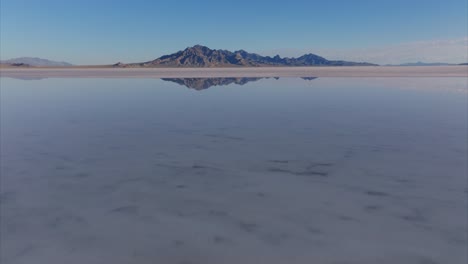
{"type": "Point", "coordinates": [128, 210]}
{"type": "Point", "coordinates": [300, 173]}
{"type": "Point", "coordinates": [25, 251]}
{"type": "Point", "coordinates": [260, 194]}
{"type": "Point", "coordinates": [415, 216]}
{"type": "Point", "coordinates": [280, 170]}
{"type": "Point", "coordinates": [349, 154]}
{"type": "Point", "coordinates": [203, 167]}
{"type": "Point", "coordinates": [7, 197]}
{"type": "Point", "coordinates": [178, 243]}
{"type": "Point", "coordinates": [248, 227]}
{"type": "Point", "coordinates": [315, 231]}
{"type": "Point", "coordinates": [114, 148]}
{"type": "Point", "coordinates": [320, 164]}
{"type": "Point", "coordinates": [312, 173]}
{"type": "Point", "coordinates": [402, 180]}
{"type": "Point", "coordinates": [161, 155]}
{"type": "Point", "coordinates": [66, 219]}
{"type": "Point", "coordinates": [458, 241]}
{"type": "Point", "coordinates": [218, 213]}
{"type": "Point", "coordinates": [217, 239]}
{"type": "Point", "coordinates": [346, 218]}
{"type": "Point", "coordinates": [66, 158]}
{"type": "Point", "coordinates": [373, 208]}
{"type": "Point", "coordinates": [220, 136]}
{"type": "Point", "coordinates": [376, 193]}
{"type": "Point", "coordinates": [199, 167]}
{"type": "Point", "coordinates": [279, 161]}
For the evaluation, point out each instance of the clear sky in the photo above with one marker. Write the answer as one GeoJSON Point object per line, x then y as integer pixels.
{"type": "Point", "coordinates": [107, 31]}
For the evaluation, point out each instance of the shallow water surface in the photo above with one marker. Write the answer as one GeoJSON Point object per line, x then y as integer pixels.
{"type": "Point", "coordinates": [234, 170]}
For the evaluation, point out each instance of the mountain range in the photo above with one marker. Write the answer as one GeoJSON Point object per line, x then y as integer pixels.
{"type": "Point", "coordinates": [202, 56]}
{"type": "Point", "coordinates": [29, 61]}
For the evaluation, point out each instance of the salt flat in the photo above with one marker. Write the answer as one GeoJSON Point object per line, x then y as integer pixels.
{"type": "Point", "coordinates": [297, 171]}
{"type": "Point", "coordinates": [372, 71]}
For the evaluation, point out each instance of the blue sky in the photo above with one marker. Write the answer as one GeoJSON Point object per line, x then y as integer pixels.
{"type": "Point", "coordinates": [93, 32]}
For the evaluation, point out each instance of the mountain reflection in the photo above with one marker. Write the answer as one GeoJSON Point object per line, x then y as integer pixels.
{"type": "Point", "coordinates": [309, 78]}
{"type": "Point", "coordinates": [205, 83]}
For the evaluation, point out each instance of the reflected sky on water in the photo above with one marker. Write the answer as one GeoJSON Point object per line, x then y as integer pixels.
{"type": "Point", "coordinates": [234, 170]}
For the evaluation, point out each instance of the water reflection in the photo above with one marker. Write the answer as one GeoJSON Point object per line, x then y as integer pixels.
{"type": "Point", "coordinates": [138, 171]}
{"type": "Point", "coordinates": [205, 83]}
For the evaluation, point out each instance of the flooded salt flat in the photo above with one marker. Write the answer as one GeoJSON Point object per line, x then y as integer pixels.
{"type": "Point", "coordinates": [234, 170]}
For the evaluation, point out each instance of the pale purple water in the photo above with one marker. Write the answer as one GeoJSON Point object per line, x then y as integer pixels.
{"type": "Point", "coordinates": [326, 170]}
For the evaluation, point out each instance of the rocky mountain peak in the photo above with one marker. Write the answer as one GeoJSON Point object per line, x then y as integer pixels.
{"type": "Point", "coordinates": [202, 56]}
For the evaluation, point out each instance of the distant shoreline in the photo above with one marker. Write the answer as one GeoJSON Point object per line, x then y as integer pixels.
{"type": "Point", "coordinates": [325, 71]}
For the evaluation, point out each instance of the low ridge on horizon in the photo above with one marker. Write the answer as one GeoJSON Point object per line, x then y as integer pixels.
{"type": "Point", "coordinates": [421, 63]}
{"type": "Point", "coordinates": [35, 62]}
{"type": "Point", "coordinates": [202, 56]}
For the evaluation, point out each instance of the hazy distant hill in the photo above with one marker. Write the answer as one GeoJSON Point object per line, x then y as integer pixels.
{"type": "Point", "coordinates": [419, 63]}
{"type": "Point", "coordinates": [201, 56]}
{"type": "Point", "coordinates": [34, 62]}
{"type": "Point", "coordinates": [466, 63]}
